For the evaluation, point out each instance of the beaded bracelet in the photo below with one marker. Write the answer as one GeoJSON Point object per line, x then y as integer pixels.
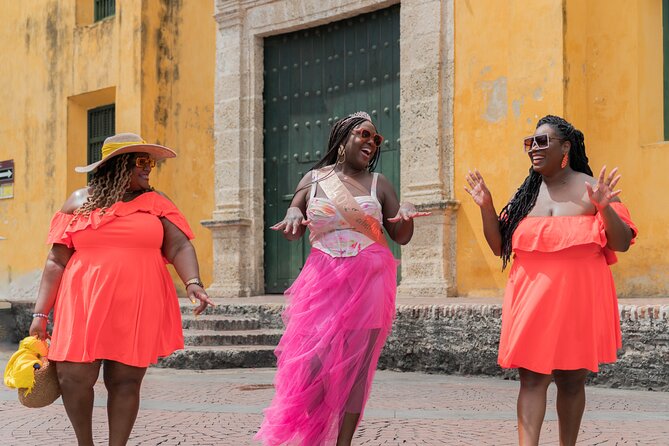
{"type": "Point", "coordinates": [42, 315]}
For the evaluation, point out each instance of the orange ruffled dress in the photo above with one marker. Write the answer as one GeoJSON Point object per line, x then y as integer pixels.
{"type": "Point", "coordinates": [560, 309]}
{"type": "Point", "coordinates": [116, 299]}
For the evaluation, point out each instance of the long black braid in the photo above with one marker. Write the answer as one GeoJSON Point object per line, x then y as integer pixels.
{"type": "Point", "coordinates": [525, 197]}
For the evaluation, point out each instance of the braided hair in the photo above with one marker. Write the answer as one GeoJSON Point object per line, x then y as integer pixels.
{"type": "Point", "coordinates": [338, 136]}
{"type": "Point", "coordinates": [525, 197]}
{"type": "Point", "coordinates": [108, 184]}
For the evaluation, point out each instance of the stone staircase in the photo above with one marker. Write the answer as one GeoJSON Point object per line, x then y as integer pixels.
{"type": "Point", "coordinates": [228, 336]}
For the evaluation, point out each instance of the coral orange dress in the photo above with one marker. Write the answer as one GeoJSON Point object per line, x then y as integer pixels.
{"type": "Point", "coordinates": [116, 299]}
{"type": "Point", "coordinates": [560, 309]}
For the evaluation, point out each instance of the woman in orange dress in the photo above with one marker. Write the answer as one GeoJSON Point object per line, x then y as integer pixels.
{"type": "Point", "coordinates": [560, 312]}
{"type": "Point", "coordinates": [105, 278]}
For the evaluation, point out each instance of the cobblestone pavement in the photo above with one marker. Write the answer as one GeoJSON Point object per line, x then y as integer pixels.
{"type": "Point", "coordinates": [223, 407]}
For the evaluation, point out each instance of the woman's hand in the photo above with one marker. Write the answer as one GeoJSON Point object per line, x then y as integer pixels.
{"type": "Point", "coordinates": [292, 222]}
{"type": "Point", "coordinates": [478, 189]}
{"type": "Point", "coordinates": [38, 328]}
{"type": "Point", "coordinates": [195, 292]}
{"type": "Point", "coordinates": [602, 193]}
{"type": "Point", "coordinates": [406, 212]}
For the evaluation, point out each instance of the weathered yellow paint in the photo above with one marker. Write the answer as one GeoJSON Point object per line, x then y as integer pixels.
{"type": "Point", "coordinates": [624, 121]}
{"type": "Point", "coordinates": [598, 63]}
{"type": "Point", "coordinates": [178, 106]}
{"type": "Point", "coordinates": [57, 64]}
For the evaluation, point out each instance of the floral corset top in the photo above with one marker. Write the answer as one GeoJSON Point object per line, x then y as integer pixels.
{"type": "Point", "coordinates": [329, 231]}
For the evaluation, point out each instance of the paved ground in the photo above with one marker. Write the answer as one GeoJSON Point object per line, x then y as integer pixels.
{"type": "Point", "coordinates": [223, 407]}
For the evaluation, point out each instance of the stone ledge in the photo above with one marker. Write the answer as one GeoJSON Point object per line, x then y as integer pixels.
{"type": "Point", "coordinates": [636, 312]}
{"type": "Point", "coordinates": [462, 338]}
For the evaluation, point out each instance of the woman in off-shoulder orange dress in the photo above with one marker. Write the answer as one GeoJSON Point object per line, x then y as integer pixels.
{"type": "Point", "coordinates": [106, 280]}
{"type": "Point", "coordinates": [560, 313]}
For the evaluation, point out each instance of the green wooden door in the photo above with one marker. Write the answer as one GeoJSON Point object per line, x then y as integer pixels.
{"type": "Point", "coordinates": [313, 78]}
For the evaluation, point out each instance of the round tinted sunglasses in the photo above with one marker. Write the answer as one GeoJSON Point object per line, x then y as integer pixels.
{"type": "Point", "coordinates": [144, 161]}
{"type": "Point", "coordinates": [538, 142]}
{"type": "Point", "coordinates": [376, 138]}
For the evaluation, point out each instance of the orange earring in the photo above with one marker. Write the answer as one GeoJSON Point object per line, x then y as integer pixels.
{"type": "Point", "coordinates": [565, 160]}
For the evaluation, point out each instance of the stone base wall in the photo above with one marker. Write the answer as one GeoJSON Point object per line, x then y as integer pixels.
{"type": "Point", "coordinates": [462, 339]}
{"type": "Point", "coordinates": [19, 326]}
{"type": "Point", "coordinates": [644, 360]}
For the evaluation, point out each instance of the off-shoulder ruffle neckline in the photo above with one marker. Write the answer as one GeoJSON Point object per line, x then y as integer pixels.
{"type": "Point", "coordinates": [556, 233]}
{"type": "Point", "coordinates": [64, 225]}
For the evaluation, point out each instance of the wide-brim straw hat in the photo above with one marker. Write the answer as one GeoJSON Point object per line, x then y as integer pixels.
{"type": "Point", "coordinates": [127, 143]}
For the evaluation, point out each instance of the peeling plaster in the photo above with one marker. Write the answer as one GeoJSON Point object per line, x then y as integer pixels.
{"type": "Point", "coordinates": [166, 36]}
{"type": "Point", "coordinates": [495, 93]}
{"type": "Point", "coordinates": [516, 105]}
{"type": "Point", "coordinates": [538, 94]}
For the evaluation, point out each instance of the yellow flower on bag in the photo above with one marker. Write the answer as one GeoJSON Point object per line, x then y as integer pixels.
{"type": "Point", "coordinates": [20, 370]}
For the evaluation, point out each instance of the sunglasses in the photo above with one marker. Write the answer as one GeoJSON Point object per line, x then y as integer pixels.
{"type": "Point", "coordinates": [366, 135]}
{"type": "Point", "coordinates": [144, 161]}
{"type": "Point", "coordinates": [538, 142]}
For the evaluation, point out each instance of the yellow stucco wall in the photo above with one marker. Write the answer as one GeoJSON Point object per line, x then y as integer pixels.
{"type": "Point", "coordinates": [33, 108]}
{"type": "Point", "coordinates": [178, 108]}
{"type": "Point", "coordinates": [596, 62]}
{"type": "Point", "coordinates": [601, 68]}
{"type": "Point", "coordinates": [56, 66]}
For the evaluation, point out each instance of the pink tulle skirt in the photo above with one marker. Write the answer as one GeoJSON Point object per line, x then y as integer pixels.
{"type": "Point", "coordinates": [340, 311]}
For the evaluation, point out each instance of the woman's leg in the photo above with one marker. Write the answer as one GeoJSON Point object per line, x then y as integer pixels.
{"type": "Point", "coordinates": [347, 429]}
{"type": "Point", "coordinates": [531, 406]}
{"type": "Point", "coordinates": [570, 403]}
{"type": "Point", "coordinates": [123, 383]}
{"type": "Point", "coordinates": [76, 381]}
{"type": "Point", "coordinates": [358, 394]}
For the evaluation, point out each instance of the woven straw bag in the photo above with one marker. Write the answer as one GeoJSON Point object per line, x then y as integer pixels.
{"type": "Point", "coordinates": [46, 389]}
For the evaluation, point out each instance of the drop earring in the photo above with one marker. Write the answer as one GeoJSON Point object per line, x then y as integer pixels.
{"type": "Point", "coordinates": [565, 160]}
{"type": "Point", "coordinates": [341, 155]}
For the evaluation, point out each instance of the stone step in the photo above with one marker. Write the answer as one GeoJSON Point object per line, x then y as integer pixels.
{"type": "Point", "coordinates": [220, 357]}
{"type": "Point", "coordinates": [237, 337]}
{"type": "Point", "coordinates": [218, 322]}
{"type": "Point", "coordinates": [268, 315]}
{"type": "Point", "coordinates": [228, 308]}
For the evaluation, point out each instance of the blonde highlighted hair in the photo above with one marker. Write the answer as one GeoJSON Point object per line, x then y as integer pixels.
{"type": "Point", "coordinates": [108, 184]}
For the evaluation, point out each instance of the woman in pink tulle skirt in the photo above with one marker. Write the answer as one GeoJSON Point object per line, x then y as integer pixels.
{"type": "Point", "coordinates": [341, 307]}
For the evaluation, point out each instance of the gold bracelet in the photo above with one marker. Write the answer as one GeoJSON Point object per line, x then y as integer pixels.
{"type": "Point", "coordinates": [194, 281]}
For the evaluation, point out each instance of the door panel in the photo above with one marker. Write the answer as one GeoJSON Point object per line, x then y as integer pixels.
{"type": "Point", "coordinates": [313, 78]}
